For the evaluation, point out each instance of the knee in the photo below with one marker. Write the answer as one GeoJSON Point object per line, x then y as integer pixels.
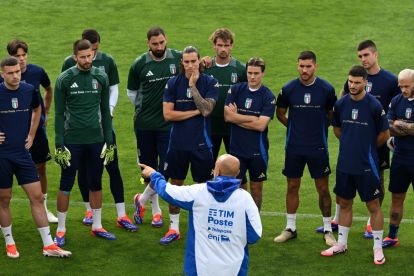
{"type": "Point", "coordinates": [293, 189]}
{"type": "Point", "coordinates": [5, 200]}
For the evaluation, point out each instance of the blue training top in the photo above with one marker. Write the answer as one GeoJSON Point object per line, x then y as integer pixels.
{"type": "Point", "coordinates": [15, 111]}
{"type": "Point", "coordinates": [193, 133]}
{"type": "Point", "coordinates": [402, 108]}
{"type": "Point", "coordinates": [360, 123]}
{"type": "Point", "coordinates": [245, 142]}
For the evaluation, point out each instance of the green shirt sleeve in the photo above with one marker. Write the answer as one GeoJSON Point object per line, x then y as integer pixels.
{"type": "Point", "coordinates": [69, 62]}
{"type": "Point", "coordinates": [59, 98]}
{"type": "Point", "coordinates": [113, 72]}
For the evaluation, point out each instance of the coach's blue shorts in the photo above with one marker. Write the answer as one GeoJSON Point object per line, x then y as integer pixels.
{"type": "Point", "coordinates": [317, 161]}
{"type": "Point", "coordinates": [368, 186]}
{"type": "Point", "coordinates": [87, 155]}
{"type": "Point", "coordinates": [401, 176]}
{"type": "Point", "coordinates": [383, 157]}
{"type": "Point", "coordinates": [256, 166]}
{"type": "Point", "coordinates": [201, 161]}
{"type": "Point", "coordinates": [21, 166]}
{"type": "Point", "coordinates": [40, 149]}
{"type": "Point", "coordinates": [152, 148]}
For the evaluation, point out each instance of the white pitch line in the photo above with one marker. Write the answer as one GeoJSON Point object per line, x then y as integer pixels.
{"type": "Point", "coordinates": [21, 201]}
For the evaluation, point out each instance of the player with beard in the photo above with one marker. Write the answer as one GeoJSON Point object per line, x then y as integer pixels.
{"type": "Point", "coordinates": [147, 78]}
{"type": "Point", "coordinates": [384, 86]}
{"type": "Point", "coordinates": [309, 100]}
{"type": "Point", "coordinates": [105, 62]}
{"type": "Point", "coordinates": [228, 71]}
{"type": "Point", "coordinates": [188, 100]}
{"type": "Point", "coordinates": [83, 134]}
{"type": "Point", "coordinates": [360, 124]}
{"type": "Point", "coordinates": [401, 120]}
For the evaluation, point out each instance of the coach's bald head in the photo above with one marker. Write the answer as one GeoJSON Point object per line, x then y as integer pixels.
{"type": "Point", "coordinates": [406, 82]}
{"type": "Point", "coordinates": [227, 165]}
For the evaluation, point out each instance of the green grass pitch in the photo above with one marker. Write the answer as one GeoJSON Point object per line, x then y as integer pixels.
{"type": "Point", "coordinates": [274, 30]}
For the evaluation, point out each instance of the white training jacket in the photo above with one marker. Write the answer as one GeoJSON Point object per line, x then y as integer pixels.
{"type": "Point", "coordinates": [223, 219]}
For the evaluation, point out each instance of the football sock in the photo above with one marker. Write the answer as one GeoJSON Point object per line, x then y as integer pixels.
{"type": "Point", "coordinates": [120, 209]}
{"type": "Point", "coordinates": [7, 233]}
{"type": "Point", "coordinates": [369, 221]}
{"type": "Point", "coordinates": [46, 236]}
{"type": "Point", "coordinates": [61, 221]}
{"type": "Point", "coordinates": [175, 222]}
{"type": "Point", "coordinates": [88, 206]}
{"type": "Point", "coordinates": [327, 224]}
{"type": "Point", "coordinates": [97, 218]}
{"type": "Point", "coordinates": [145, 196]}
{"type": "Point", "coordinates": [155, 205]}
{"type": "Point", "coordinates": [393, 231]}
{"type": "Point", "coordinates": [377, 238]}
{"type": "Point", "coordinates": [336, 217]}
{"type": "Point", "coordinates": [291, 221]}
{"type": "Point", "coordinates": [343, 233]}
{"type": "Point", "coordinates": [45, 200]}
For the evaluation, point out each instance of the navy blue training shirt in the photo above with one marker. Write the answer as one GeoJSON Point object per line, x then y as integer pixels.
{"type": "Point", "coordinates": [245, 142]}
{"type": "Point", "coordinates": [15, 111]}
{"type": "Point", "coordinates": [360, 123]}
{"type": "Point", "coordinates": [307, 129]}
{"type": "Point", "coordinates": [193, 133]}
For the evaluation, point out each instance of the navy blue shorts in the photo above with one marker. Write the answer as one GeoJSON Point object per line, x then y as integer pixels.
{"type": "Point", "coordinates": [201, 161]}
{"type": "Point", "coordinates": [21, 166]}
{"type": "Point", "coordinates": [318, 164]}
{"type": "Point", "coordinates": [256, 166]}
{"type": "Point", "coordinates": [152, 148]}
{"type": "Point", "coordinates": [383, 157]}
{"type": "Point", "coordinates": [368, 186]}
{"type": "Point", "coordinates": [401, 176]}
{"type": "Point", "coordinates": [87, 156]}
{"type": "Point", "coordinates": [40, 149]}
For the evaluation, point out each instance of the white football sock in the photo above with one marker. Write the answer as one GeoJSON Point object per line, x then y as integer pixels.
{"type": "Point", "coordinates": [145, 196]}
{"type": "Point", "coordinates": [120, 209]}
{"type": "Point", "coordinates": [175, 222]}
{"type": "Point", "coordinates": [291, 221]}
{"type": "Point", "coordinates": [336, 217]}
{"type": "Point", "coordinates": [88, 206]}
{"type": "Point", "coordinates": [7, 233]}
{"type": "Point", "coordinates": [327, 224]}
{"type": "Point", "coordinates": [378, 234]}
{"type": "Point", "coordinates": [369, 221]}
{"type": "Point", "coordinates": [97, 218]}
{"type": "Point", "coordinates": [155, 205]}
{"type": "Point", "coordinates": [46, 236]}
{"type": "Point", "coordinates": [343, 233]}
{"type": "Point", "coordinates": [61, 221]}
{"type": "Point", "coordinates": [45, 201]}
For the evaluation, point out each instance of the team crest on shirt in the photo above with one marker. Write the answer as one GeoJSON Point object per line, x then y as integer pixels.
{"type": "Point", "coordinates": [408, 113]}
{"type": "Point", "coordinates": [354, 114]}
{"type": "Point", "coordinates": [173, 69]}
{"type": "Point", "coordinates": [189, 92]}
{"type": "Point", "coordinates": [15, 103]}
{"type": "Point", "coordinates": [234, 77]}
{"type": "Point", "coordinates": [307, 98]}
{"type": "Point", "coordinates": [102, 68]}
{"type": "Point", "coordinates": [368, 87]}
{"type": "Point", "coordinates": [248, 103]}
{"type": "Point", "coordinates": [94, 84]}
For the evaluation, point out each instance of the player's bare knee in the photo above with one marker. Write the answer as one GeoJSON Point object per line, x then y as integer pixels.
{"type": "Point", "coordinates": [41, 169]}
